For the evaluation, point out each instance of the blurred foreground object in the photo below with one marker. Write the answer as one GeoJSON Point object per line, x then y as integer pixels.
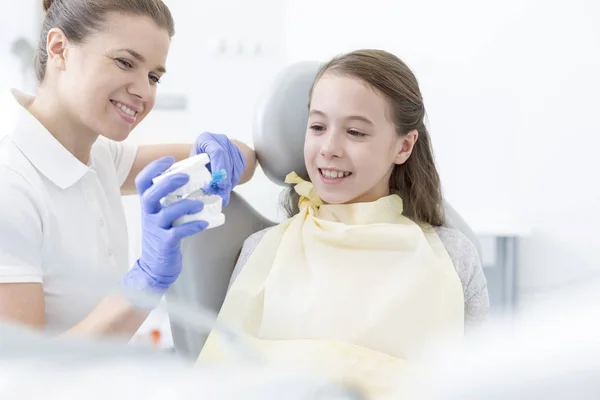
{"type": "Point", "coordinates": [33, 366]}
{"type": "Point", "coordinates": [550, 352]}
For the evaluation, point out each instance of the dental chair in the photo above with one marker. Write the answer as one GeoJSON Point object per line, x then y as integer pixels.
{"type": "Point", "coordinates": [209, 258]}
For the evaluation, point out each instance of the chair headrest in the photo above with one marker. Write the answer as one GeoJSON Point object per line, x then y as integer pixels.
{"type": "Point", "coordinates": [280, 122]}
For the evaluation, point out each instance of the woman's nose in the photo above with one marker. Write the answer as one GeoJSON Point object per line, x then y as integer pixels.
{"type": "Point", "coordinates": [141, 88]}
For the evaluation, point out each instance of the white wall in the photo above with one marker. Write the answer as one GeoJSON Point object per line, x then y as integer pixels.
{"type": "Point", "coordinates": [15, 22]}
{"type": "Point", "coordinates": [511, 89]}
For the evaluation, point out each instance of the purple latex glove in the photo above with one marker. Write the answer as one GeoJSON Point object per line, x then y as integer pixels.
{"type": "Point", "coordinates": [160, 263]}
{"type": "Point", "coordinates": [225, 155]}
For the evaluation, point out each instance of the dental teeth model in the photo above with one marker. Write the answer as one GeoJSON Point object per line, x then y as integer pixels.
{"type": "Point", "coordinates": [201, 180]}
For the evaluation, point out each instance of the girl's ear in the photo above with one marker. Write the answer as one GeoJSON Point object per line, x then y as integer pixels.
{"type": "Point", "coordinates": [408, 144]}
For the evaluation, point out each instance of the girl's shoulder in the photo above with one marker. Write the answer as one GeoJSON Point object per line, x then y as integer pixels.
{"type": "Point", "coordinates": [457, 244]}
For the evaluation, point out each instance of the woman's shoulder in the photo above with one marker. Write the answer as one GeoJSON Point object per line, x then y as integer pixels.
{"type": "Point", "coordinates": [11, 158]}
{"type": "Point", "coordinates": [18, 178]}
{"type": "Point", "coordinates": [17, 173]}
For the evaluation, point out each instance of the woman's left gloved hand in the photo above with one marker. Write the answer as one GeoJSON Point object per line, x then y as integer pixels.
{"type": "Point", "coordinates": [223, 154]}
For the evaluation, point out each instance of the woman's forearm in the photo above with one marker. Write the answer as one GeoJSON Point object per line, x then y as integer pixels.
{"type": "Point", "coordinates": [250, 160]}
{"type": "Point", "coordinates": [114, 316]}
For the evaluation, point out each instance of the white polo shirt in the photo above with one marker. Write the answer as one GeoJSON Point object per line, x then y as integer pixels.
{"type": "Point", "coordinates": [62, 223]}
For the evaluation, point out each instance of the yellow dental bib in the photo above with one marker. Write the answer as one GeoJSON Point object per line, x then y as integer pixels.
{"type": "Point", "coordinates": [353, 292]}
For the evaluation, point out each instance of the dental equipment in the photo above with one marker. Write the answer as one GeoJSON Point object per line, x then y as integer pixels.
{"type": "Point", "coordinates": [200, 187]}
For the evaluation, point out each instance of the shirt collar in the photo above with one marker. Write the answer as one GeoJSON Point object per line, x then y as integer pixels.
{"type": "Point", "coordinates": [44, 152]}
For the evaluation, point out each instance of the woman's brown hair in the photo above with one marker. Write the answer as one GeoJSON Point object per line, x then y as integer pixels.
{"type": "Point", "coordinates": [417, 180]}
{"type": "Point", "coordinates": [79, 18]}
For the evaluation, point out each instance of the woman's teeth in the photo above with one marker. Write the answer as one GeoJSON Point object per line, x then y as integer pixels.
{"type": "Point", "coordinates": [330, 174]}
{"type": "Point", "coordinates": [124, 108]}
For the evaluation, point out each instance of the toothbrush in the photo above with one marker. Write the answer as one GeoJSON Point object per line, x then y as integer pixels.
{"type": "Point", "coordinates": [217, 183]}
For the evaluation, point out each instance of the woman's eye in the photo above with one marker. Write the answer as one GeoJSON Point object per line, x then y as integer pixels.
{"type": "Point", "coordinates": [317, 128]}
{"type": "Point", "coordinates": [124, 63]}
{"type": "Point", "coordinates": [154, 79]}
{"type": "Point", "coordinates": [356, 133]}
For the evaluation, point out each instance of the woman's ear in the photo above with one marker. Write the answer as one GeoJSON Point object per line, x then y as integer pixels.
{"type": "Point", "coordinates": [56, 46]}
{"type": "Point", "coordinates": [408, 143]}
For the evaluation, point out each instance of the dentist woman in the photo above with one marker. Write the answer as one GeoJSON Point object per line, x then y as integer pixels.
{"type": "Point", "coordinates": [63, 171]}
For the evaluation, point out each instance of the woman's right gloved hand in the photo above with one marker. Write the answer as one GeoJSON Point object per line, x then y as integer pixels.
{"type": "Point", "coordinates": [160, 262]}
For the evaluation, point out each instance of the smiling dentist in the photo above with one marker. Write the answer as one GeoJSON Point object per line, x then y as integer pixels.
{"type": "Point", "coordinates": [63, 171]}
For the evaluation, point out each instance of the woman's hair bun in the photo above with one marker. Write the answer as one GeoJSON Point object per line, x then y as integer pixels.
{"type": "Point", "coordinates": [47, 4]}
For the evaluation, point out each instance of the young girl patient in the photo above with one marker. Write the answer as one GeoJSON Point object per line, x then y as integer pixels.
{"type": "Point", "coordinates": [363, 276]}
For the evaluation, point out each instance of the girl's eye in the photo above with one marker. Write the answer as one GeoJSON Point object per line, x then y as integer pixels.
{"type": "Point", "coordinates": [356, 133]}
{"type": "Point", "coordinates": [317, 128]}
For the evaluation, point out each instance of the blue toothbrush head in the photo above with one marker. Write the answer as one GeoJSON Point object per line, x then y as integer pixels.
{"type": "Point", "coordinates": [219, 177]}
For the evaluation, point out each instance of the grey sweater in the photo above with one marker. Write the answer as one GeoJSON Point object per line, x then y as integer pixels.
{"type": "Point", "coordinates": [462, 253]}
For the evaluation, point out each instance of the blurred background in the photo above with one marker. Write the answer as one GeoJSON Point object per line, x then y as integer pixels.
{"type": "Point", "coordinates": [511, 89]}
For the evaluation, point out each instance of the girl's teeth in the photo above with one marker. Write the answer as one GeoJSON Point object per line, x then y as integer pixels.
{"type": "Point", "coordinates": [334, 174]}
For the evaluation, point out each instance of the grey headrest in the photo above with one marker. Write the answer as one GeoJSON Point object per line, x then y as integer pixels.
{"type": "Point", "coordinates": [280, 122]}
